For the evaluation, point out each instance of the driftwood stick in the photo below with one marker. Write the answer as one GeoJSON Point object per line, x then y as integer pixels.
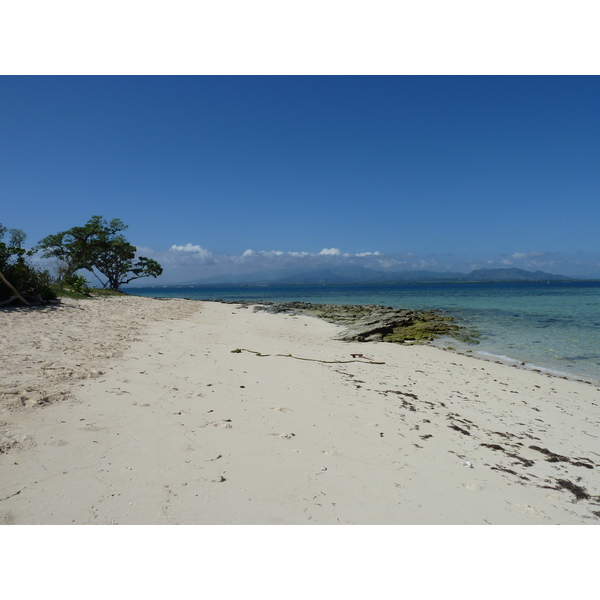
{"type": "Point", "coordinates": [14, 291]}
{"type": "Point", "coordinates": [8, 301]}
{"type": "Point", "coordinates": [368, 362]}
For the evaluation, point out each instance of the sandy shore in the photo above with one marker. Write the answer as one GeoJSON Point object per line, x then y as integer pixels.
{"type": "Point", "coordinates": [136, 411]}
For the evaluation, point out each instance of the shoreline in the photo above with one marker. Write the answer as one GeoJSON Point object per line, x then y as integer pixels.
{"type": "Point", "coordinates": [519, 364]}
{"type": "Point", "coordinates": [436, 343]}
{"type": "Point", "coordinates": [176, 427]}
{"type": "Point", "coordinates": [480, 355]}
{"type": "Point", "coordinates": [551, 327]}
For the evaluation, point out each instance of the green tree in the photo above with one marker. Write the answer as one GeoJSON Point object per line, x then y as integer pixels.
{"type": "Point", "coordinates": [100, 248]}
{"type": "Point", "coordinates": [78, 247]}
{"type": "Point", "coordinates": [116, 262]}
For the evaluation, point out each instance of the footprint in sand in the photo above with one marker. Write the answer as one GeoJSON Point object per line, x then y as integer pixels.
{"type": "Point", "coordinates": [473, 487]}
{"type": "Point", "coordinates": [554, 496]}
{"type": "Point", "coordinates": [281, 409]}
{"type": "Point", "coordinates": [532, 510]}
{"type": "Point", "coordinates": [7, 519]}
{"type": "Point", "coordinates": [92, 427]}
{"type": "Point", "coordinates": [59, 443]}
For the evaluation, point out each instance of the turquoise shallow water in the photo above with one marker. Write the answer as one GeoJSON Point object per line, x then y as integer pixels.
{"type": "Point", "coordinates": [552, 326]}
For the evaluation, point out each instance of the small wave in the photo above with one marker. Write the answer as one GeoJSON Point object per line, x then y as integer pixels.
{"type": "Point", "coordinates": [501, 357]}
{"type": "Point", "coordinates": [526, 365]}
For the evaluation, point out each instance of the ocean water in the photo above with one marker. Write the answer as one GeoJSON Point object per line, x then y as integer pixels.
{"type": "Point", "coordinates": [554, 327]}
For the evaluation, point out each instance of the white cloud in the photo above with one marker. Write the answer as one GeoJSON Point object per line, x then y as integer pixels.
{"type": "Point", "coordinates": [333, 252]}
{"type": "Point", "coordinates": [522, 255]}
{"type": "Point", "coordinates": [325, 252]}
{"type": "Point", "coordinates": [191, 248]}
{"type": "Point", "coordinates": [144, 251]}
{"type": "Point", "coordinates": [191, 262]}
{"type": "Point", "coordinates": [388, 263]}
{"type": "Point", "coordinates": [422, 264]}
{"type": "Point", "coordinates": [186, 256]}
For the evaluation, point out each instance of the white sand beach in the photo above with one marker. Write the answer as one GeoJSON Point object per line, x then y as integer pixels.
{"type": "Point", "coordinates": [132, 410]}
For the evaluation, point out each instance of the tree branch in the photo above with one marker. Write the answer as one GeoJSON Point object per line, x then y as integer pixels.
{"type": "Point", "coordinates": [98, 278]}
{"type": "Point", "coordinates": [17, 295]}
{"type": "Point", "coordinates": [8, 301]}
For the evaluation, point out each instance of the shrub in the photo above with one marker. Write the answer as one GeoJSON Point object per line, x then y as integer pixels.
{"type": "Point", "coordinates": [31, 282]}
{"type": "Point", "coordinates": [77, 284]}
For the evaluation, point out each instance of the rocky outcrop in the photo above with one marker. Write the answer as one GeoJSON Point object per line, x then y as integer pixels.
{"type": "Point", "coordinates": [368, 323]}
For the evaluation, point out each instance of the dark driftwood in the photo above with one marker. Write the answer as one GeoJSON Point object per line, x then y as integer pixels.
{"type": "Point", "coordinates": [8, 301]}
{"type": "Point", "coordinates": [14, 291]}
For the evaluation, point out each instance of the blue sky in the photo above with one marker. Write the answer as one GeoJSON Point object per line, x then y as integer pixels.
{"type": "Point", "coordinates": [237, 174]}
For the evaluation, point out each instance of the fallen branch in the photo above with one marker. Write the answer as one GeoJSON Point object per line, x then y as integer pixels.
{"type": "Point", "coordinates": [368, 362]}
{"type": "Point", "coordinates": [8, 301]}
{"type": "Point", "coordinates": [14, 291]}
{"type": "Point", "coordinates": [7, 497]}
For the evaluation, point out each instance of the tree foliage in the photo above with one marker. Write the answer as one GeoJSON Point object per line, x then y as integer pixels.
{"type": "Point", "coordinates": [116, 262]}
{"type": "Point", "coordinates": [99, 247]}
{"type": "Point", "coordinates": [77, 247]}
{"type": "Point", "coordinates": [20, 281]}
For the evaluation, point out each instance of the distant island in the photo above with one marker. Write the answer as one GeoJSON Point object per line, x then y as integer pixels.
{"type": "Point", "coordinates": [353, 275]}
{"type": "Point", "coordinates": [424, 276]}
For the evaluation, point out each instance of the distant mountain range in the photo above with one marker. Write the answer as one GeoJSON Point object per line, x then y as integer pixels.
{"type": "Point", "coordinates": [362, 275]}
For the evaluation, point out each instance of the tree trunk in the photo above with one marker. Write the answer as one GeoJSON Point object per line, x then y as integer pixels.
{"type": "Point", "coordinates": [13, 290]}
